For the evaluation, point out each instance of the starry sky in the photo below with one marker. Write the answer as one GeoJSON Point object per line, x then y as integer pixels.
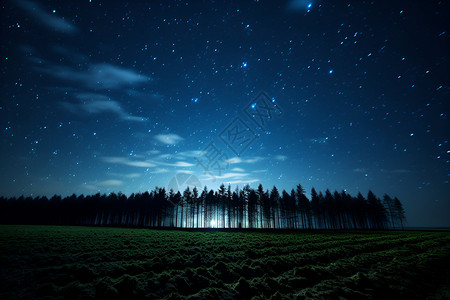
{"type": "Point", "coordinates": [109, 96]}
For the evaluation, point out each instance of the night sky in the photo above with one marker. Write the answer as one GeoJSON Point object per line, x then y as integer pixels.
{"type": "Point", "coordinates": [113, 96]}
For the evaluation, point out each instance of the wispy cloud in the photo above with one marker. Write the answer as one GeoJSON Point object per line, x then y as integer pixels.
{"type": "Point", "coordinates": [51, 21]}
{"type": "Point", "coordinates": [168, 139]}
{"type": "Point", "coordinates": [69, 53]}
{"type": "Point", "coordinates": [130, 175]}
{"type": "Point", "coordinates": [153, 152]}
{"type": "Point", "coordinates": [281, 157]}
{"type": "Point", "coordinates": [133, 175]}
{"type": "Point", "coordinates": [96, 104]}
{"type": "Point", "coordinates": [160, 171]}
{"type": "Point", "coordinates": [98, 76]}
{"type": "Point", "coordinates": [253, 160]}
{"type": "Point", "coordinates": [237, 160]}
{"type": "Point", "coordinates": [110, 182]}
{"type": "Point", "coordinates": [234, 160]}
{"type": "Point", "coordinates": [178, 155]}
{"type": "Point", "coordinates": [127, 162]}
{"type": "Point", "coordinates": [96, 185]}
{"type": "Point", "coordinates": [190, 172]}
{"type": "Point", "coordinates": [243, 181]}
{"type": "Point", "coordinates": [90, 186]}
{"type": "Point", "coordinates": [146, 163]}
{"type": "Point", "coordinates": [230, 178]}
{"type": "Point", "coordinates": [183, 164]}
{"type": "Point", "coordinates": [193, 153]}
{"type": "Point", "coordinates": [237, 170]}
{"type": "Point", "coordinates": [231, 175]}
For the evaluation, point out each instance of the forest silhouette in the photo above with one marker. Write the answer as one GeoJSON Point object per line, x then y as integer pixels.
{"type": "Point", "coordinates": [223, 208]}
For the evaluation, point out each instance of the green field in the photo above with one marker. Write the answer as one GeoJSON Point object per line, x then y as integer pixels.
{"type": "Point", "coordinates": [87, 262]}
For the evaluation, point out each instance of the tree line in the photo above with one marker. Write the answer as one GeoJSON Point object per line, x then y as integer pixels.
{"type": "Point", "coordinates": [223, 208]}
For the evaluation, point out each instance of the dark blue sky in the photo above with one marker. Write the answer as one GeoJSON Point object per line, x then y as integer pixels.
{"type": "Point", "coordinates": [113, 96]}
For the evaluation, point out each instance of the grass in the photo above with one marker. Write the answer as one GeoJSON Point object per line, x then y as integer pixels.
{"type": "Point", "coordinates": [109, 263]}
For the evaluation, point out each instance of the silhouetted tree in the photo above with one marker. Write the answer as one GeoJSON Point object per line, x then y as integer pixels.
{"type": "Point", "coordinates": [315, 208]}
{"type": "Point", "coordinates": [242, 204]}
{"type": "Point", "coordinates": [246, 208]}
{"type": "Point", "coordinates": [284, 210]}
{"type": "Point", "coordinates": [293, 209]}
{"type": "Point", "coordinates": [252, 209]}
{"type": "Point", "coordinates": [187, 198]}
{"type": "Point", "coordinates": [260, 193]}
{"type": "Point", "coordinates": [304, 207]}
{"type": "Point", "coordinates": [389, 205]}
{"type": "Point", "coordinates": [195, 205]}
{"type": "Point", "coordinates": [274, 200]}
{"type": "Point", "coordinates": [377, 212]}
{"type": "Point", "coordinates": [400, 212]}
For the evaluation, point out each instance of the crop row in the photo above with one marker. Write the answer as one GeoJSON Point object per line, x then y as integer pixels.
{"type": "Point", "coordinates": [78, 262]}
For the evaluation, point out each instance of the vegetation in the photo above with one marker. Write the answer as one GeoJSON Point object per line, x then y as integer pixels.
{"type": "Point", "coordinates": [110, 263]}
{"type": "Point", "coordinates": [241, 208]}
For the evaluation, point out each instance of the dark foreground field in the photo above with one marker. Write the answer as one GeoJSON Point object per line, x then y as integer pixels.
{"type": "Point", "coordinates": [83, 262]}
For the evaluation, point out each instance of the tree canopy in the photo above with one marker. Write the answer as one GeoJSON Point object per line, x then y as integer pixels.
{"type": "Point", "coordinates": [224, 208]}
